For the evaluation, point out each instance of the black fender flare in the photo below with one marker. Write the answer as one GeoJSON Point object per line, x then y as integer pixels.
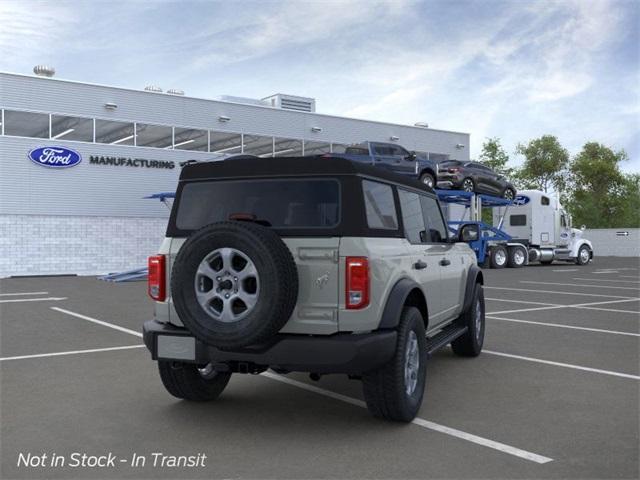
{"type": "Point", "coordinates": [473, 276]}
{"type": "Point", "coordinates": [428, 170]}
{"type": "Point", "coordinates": [395, 301]}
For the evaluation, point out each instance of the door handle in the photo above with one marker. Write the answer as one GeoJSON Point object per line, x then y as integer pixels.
{"type": "Point", "coordinates": [419, 265]}
{"type": "Point", "coordinates": [444, 262]}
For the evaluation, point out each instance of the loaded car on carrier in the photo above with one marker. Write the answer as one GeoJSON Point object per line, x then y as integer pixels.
{"type": "Point", "coordinates": [318, 265]}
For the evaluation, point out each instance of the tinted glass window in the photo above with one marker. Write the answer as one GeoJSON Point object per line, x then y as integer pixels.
{"type": "Point", "coordinates": [381, 209]}
{"type": "Point", "coordinates": [71, 128]}
{"type": "Point", "coordinates": [287, 147]}
{"type": "Point", "coordinates": [412, 217]}
{"type": "Point", "coordinates": [157, 136]}
{"type": "Point", "coordinates": [190, 139]}
{"type": "Point", "coordinates": [518, 220]}
{"type": "Point", "coordinates": [258, 145]}
{"type": "Point", "coordinates": [433, 220]}
{"type": "Point", "coordinates": [316, 148]}
{"type": "Point", "coordinates": [113, 132]}
{"type": "Point", "coordinates": [225, 143]}
{"type": "Point", "coordinates": [281, 203]}
{"type": "Point", "coordinates": [338, 148]}
{"type": "Point", "coordinates": [544, 200]}
{"type": "Point", "coordinates": [26, 124]}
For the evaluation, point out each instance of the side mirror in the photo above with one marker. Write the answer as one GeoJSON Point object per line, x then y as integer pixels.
{"type": "Point", "coordinates": [411, 157]}
{"type": "Point", "coordinates": [583, 228]}
{"type": "Point", "coordinates": [469, 233]}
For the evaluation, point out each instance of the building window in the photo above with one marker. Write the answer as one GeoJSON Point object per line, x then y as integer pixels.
{"type": "Point", "coordinates": [258, 145]}
{"type": "Point", "coordinates": [338, 148]}
{"type": "Point", "coordinates": [157, 136]}
{"type": "Point", "coordinates": [287, 147]}
{"type": "Point", "coordinates": [225, 143]}
{"type": "Point", "coordinates": [316, 148]}
{"type": "Point", "coordinates": [114, 133]}
{"type": "Point", "coordinates": [190, 139]}
{"type": "Point", "coordinates": [71, 128]}
{"type": "Point", "coordinates": [380, 207]}
{"type": "Point", "coordinates": [26, 124]}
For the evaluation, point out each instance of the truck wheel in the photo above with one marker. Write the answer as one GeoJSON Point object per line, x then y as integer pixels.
{"type": "Point", "coordinates": [498, 256]}
{"type": "Point", "coordinates": [187, 381]}
{"type": "Point", "coordinates": [234, 284]}
{"type": "Point", "coordinates": [517, 257]}
{"type": "Point", "coordinates": [468, 185]}
{"type": "Point", "coordinates": [428, 180]}
{"type": "Point", "coordinates": [584, 255]}
{"type": "Point", "coordinates": [470, 344]}
{"type": "Point", "coordinates": [395, 391]}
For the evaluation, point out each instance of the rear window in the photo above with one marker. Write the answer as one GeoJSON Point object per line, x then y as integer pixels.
{"type": "Point", "coordinates": [357, 151]}
{"type": "Point", "coordinates": [290, 203]}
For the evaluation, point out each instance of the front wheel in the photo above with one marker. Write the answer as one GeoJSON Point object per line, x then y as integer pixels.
{"type": "Point", "coordinates": [584, 255]}
{"type": "Point", "coordinates": [470, 344]}
{"type": "Point", "coordinates": [509, 194]}
{"type": "Point", "coordinates": [428, 180]}
{"type": "Point", "coordinates": [190, 382]}
{"type": "Point", "coordinates": [468, 185]}
{"type": "Point", "coordinates": [395, 391]}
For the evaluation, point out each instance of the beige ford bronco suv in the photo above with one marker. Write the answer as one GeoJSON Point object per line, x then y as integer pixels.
{"type": "Point", "coordinates": [318, 265]}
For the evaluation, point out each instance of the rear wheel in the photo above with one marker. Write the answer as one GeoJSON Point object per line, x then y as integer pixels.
{"type": "Point", "coordinates": [395, 391]}
{"type": "Point", "coordinates": [468, 185]}
{"type": "Point", "coordinates": [498, 256]}
{"type": "Point", "coordinates": [428, 179]}
{"type": "Point", "coordinates": [470, 344]}
{"type": "Point", "coordinates": [517, 257]}
{"type": "Point", "coordinates": [508, 194]}
{"type": "Point", "coordinates": [190, 382]}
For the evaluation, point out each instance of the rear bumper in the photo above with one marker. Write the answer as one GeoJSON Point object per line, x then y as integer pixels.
{"type": "Point", "coordinates": [340, 353]}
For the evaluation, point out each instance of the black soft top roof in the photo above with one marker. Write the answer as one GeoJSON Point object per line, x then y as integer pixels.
{"type": "Point", "coordinates": [249, 167]}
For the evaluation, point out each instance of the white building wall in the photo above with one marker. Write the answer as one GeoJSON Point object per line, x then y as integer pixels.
{"type": "Point", "coordinates": [612, 242]}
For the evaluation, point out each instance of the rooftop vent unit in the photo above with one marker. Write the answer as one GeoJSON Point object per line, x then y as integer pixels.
{"type": "Point", "coordinates": [291, 102]}
{"type": "Point", "coordinates": [244, 100]}
{"type": "Point", "coordinates": [175, 91]}
{"type": "Point", "coordinates": [153, 88]}
{"type": "Point", "coordinates": [44, 71]}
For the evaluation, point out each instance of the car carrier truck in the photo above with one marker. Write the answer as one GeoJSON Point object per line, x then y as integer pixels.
{"type": "Point", "coordinates": [538, 221]}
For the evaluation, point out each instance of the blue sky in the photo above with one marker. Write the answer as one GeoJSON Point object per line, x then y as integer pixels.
{"type": "Point", "coordinates": [514, 69]}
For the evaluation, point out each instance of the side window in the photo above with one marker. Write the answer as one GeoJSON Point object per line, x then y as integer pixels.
{"type": "Point", "coordinates": [433, 220]}
{"type": "Point", "coordinates": [400, 152]}
{"type": "Point", "coordinates": [544, 201]}
{"type": "Point", "coordinates": [412, 217]}
{"type": "Point", "coordinates": [379, 204]}
{"type": "Point", "coordinates": [518, 220]}
{"type": "Point", "coordinates": [563, 220]}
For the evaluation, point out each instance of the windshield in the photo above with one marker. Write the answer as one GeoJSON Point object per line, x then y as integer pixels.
{"type": "Point", "coordinates": [284, 203]}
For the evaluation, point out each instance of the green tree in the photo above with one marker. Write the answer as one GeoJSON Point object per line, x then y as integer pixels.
{"type": "Point", "coordinates": [494, 156]}
{"type": "Point", "coordinates": [600, 195]}
{"type": "Point", "coordinates": [545, 164]}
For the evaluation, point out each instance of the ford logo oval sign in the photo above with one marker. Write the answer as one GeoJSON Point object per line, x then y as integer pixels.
{"type": "Point", "coordinates": [521, 200]}
{"type": "Point", "coordinates": [55, 157]}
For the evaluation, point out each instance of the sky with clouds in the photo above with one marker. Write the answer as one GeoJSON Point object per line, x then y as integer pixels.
{"type": "Point", "coordinates": [509, 69]}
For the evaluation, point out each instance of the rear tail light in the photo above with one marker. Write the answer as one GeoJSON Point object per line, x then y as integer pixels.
{"type": "Point", "coordinates": [454, 170]}
{"type": "Point", "coordinates": [156, 278]}
{"type": "Point", "coordinates": [357, 284]}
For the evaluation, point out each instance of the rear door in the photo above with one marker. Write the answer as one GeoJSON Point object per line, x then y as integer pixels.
{"type": "Point", "coordinates": [383, 156]}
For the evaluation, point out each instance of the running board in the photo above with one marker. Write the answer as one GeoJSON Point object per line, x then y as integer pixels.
{"type": "Point", "coordinates": [444, 338]}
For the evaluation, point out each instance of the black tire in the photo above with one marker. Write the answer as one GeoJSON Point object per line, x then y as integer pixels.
{"type": "Point", "coordinates": [583, 260]}
{"type": "Point", "coordinates": [385, 389]}
{"type": "Point", "coordinates": [275, 297]}
{"type": "Point", "coordinates": [468, 185]}
{"type": "Point", "coordinates": [515, 260]}
{"type": "Point", "coordinates": [428, 179]}
{"type": "Point", "coordinates": [508, 194]}
{"type": "Point", "coordinates": [470, 344]}
{"type": "Point", "coordinates": [184, 380]}
{"type": "Point", "coordinates": [499, 256]}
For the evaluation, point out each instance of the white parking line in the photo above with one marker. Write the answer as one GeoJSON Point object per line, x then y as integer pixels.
{"type": "Point", "coordinates": [519, 301]}
{"type": "Point", "coordinates": [604, 280]}
{"type": "Point", "coordinates": [99, 322]}
{"type": "Point", "coordinates": [23, 293]}
{"type": "Point", "coordinates": [72, 352]}
{"type": "Point", "coordinates": [587, 306]}
{"type": "Point", "coordinates": [567, 270]}
{"type": "Point", "coordinates": [572, 327]}
{"type": "Point", "coordinates": [485, 442]}
{"type": "Point", "coordinates": [565, 365]}
{"type": "Point", "coordinates": [556, 292]}
{"type": "Point", "coordinates": [628, 276]}
{"type": "Point", "coordinates": [20, 300]}
{"type": "Point", "coordinates": [581, 285]}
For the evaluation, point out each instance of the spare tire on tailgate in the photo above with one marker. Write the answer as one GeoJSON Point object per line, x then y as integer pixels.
{"type": "Point", "coordinates": [234, 284]}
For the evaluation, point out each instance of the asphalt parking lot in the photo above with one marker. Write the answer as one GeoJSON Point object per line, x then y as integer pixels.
{"type": "Point", "coordinates": [555, 394]}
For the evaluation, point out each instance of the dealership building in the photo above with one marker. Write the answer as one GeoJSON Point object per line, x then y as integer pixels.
{"type": "Point", "coordinates": [77, 161]}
